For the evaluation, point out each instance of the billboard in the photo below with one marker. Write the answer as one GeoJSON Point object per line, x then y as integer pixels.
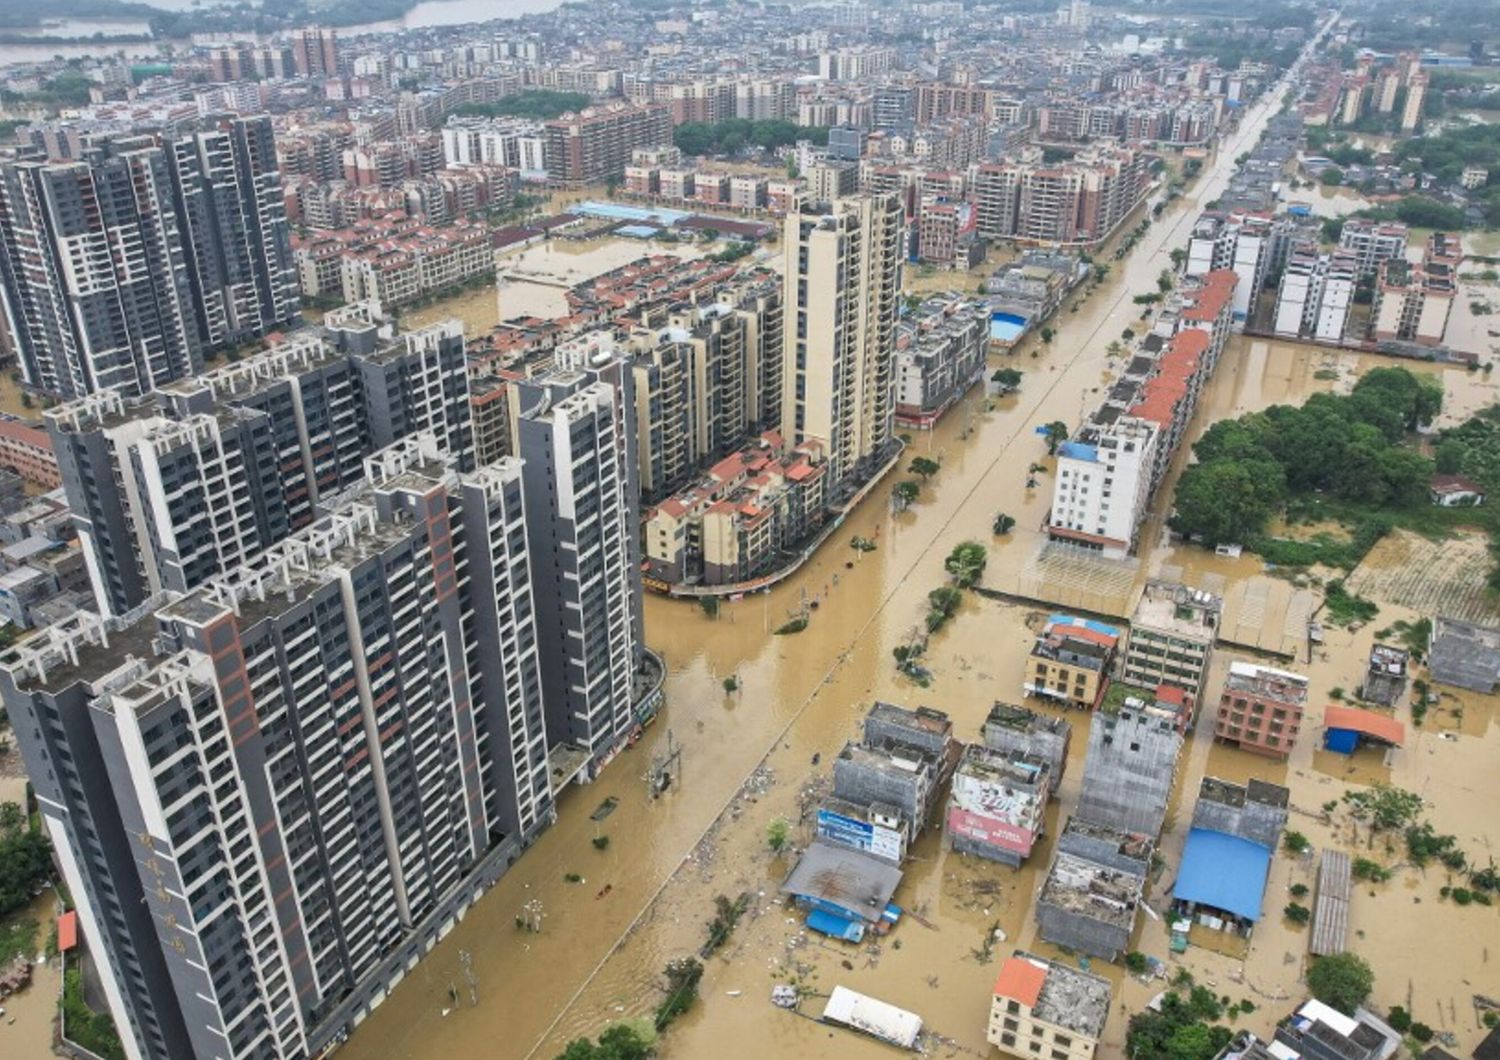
{"type": "Point", "coordinates": [989, 830]}
{"type": "Point", "coordinates": [851, 832]}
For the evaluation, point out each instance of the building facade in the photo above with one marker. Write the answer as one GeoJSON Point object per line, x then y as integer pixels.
{"type": "Point", "coordinates": [123, 267]}
{"type": "Point", "coordinates": [188, 482]}
{"type": "Point", "coordinates": [842, 285]}
{"type": "Point", "coordinates": [270, 796]}
{"type": "Point", "coordinates": [1261, 709]}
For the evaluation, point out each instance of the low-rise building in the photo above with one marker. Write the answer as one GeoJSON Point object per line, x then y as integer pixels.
{"type": "Point", "coordinates": [1320, 1032]}
{"type": "Point", "coordinates": [1045, 1008]}
{"type": "Point", "coordinates": [1172, 637]}
{"type": "Point", "coordinates": [1455, 491]}
{"type": "Point", "coordinates": [1070, 661]}
{"type": "Point", "coordinates": [1464, 654]}
{"type": "Point", "coordinates": [1226, 860]}
{"type": "Point", "coordinates": [1089, 899]}
{"type": "Point", "coordinates": [1012, 728]}
{"type": "Point", "coordinates": [997, 804]}
{"type": "Point", "coordinates": [1385, 675]}
{"type": "Point", "coordinates": [26, 450]}
{"type": "Point", "coordinates": [743, 516]}
{"type": "Point", "coordinates": [1260, 709]}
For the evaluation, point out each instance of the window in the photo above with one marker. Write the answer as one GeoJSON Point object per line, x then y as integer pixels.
{"type": "Point", "coordinates": [1013, 1007]}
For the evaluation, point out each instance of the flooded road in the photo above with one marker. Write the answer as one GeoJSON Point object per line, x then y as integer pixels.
{"type": "Point", "coordinates": [747, 759]}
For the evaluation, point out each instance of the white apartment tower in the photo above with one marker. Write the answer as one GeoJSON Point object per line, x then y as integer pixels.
{"type": "Point", "coordinates": [842, 283]}
{"type": "Point", "coordinates": [1103, 486]}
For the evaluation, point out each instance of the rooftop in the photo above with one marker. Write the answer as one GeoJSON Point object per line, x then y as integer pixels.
{"type": "Point", "coordinates": [1092, 890]}
{"type": "Point", "coordinates": [846, 878]}
{"type": "Point", "coordinates": [1178, 610]}
{"type": "Point", "coordinates": [1057, 993]}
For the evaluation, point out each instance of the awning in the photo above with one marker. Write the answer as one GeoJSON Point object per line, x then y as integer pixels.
{"type": "Point", "coordinates": [67, 931]}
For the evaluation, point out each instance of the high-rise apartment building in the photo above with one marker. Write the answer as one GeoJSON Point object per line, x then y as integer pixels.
{"type": "Point", "coordinates": [205, 474]}
{"type": "Point", "coordinates": [842, 282]}
{"type": "Point", "coordinates": [704, 383]}
{"type": "Point", "coordinates": [582, 520]}
{"type": "Point", "coordinates": [1240, 242]}
{"type": "Point", "coordinates": [1078, 202]}
{"type": "Point", "coordinates": [597, 142]}
{"type": "Point", "coordinates": [315, 52]}
{"type": "Point", "coordinates": [272, 795]}
{"type": "Point", "coordinates": [121, 268]}
{"type": "Point", "coordinates": [94, 274]}
{"type": "Point", "coordinates": [238, 243]}
{"type": "Point", "coordinates": [1372, 243]}
{"type": "Point", "coordinates": [1413, 302]}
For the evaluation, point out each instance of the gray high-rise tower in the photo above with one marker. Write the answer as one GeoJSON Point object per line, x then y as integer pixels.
{"type": "Point", "coordinates": [272, 795]}
{"type": "Point", "coordinates": [123, 267]}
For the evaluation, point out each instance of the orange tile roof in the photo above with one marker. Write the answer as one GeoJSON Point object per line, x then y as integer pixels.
{"type": "Point", "coordinates": [1211, 298]}
{"type": "Point", "coordinates": [1367, 722]}
{"type": "Point", "coordinates": [1021, 980]}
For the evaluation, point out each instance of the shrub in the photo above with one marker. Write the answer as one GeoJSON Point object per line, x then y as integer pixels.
{"type": "Point", "coordinates": [1297, 914]}
{"type": "Point", "coordinates": [1295, 842]}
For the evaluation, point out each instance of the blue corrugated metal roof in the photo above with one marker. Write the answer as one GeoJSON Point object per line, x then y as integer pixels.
{"type": "Point", "coordinates": [1223, 871]}
{"type": "Point", "coordinates": [836, 927]}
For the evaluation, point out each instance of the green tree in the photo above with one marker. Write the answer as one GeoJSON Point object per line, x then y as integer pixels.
{"type": "Point", "coordinates": [1003, 524]}
{"type": "Point", "coordinates": [1056, 433]}
{"type": "Point", "coordinates": [1332, 177]}
{"type": "Point", "coordinates": [25, 859]}
{"type": "Point", "coordinates": [778, 834]}
{"type": "Point", "coordinates": [906, 492]}
{"type": "Point", "coordinates": [1342, 980]}
{"type": "Point", "coordinates": [965, 564]}
{"type": "Point", "coordinates": [1008, 380]}
{"type": "Point", "coordinates": [924, 466]}
{"type": "Point", "coordinates": [1226, 501]}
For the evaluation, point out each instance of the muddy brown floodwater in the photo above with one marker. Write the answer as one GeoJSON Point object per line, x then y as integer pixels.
{"type": "Point", "coordinates": [747, 757]}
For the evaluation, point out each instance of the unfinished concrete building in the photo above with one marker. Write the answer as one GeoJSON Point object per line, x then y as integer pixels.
{"type": "Point", "coordinates": [1089, 899]}
{"type": "Point", "coordinates": [930, 731]}
{"type": "Point", "coordinates": [1385, 675]}
{"type": "Point", "coordinates": [1465, 655]}
{"type": "Point", "coordinates": [898, 784]}
{"type": "Point", "coordinates": [1013, 728]}
{"type": "Point", "coordinates": [1128, 774]}
{"type": "Point", "coordinates": [998, 803]}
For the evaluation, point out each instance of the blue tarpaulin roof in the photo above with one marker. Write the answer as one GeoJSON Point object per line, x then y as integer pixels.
{"type": "Point", "coordinates": [1223, 871]}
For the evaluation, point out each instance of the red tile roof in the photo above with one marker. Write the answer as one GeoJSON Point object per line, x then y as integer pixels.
{"type": "Point", "coordinates": [1022, 980]}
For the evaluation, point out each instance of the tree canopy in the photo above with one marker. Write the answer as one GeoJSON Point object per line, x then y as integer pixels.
{"type": "Point", "coordinates": [539, 103]}
{"type": "Point", "coordinates": [1342, 980]}
{"type": "Point", "coordinates": [25, 859]}
{"type": "Point", "coordinates": [1350, 446]}
{"type": "Point", "coordinates": [734, 135]}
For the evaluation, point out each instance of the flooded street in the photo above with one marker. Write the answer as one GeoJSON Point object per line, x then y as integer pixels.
{"type": "Point", "coordinates": [747, 758]}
